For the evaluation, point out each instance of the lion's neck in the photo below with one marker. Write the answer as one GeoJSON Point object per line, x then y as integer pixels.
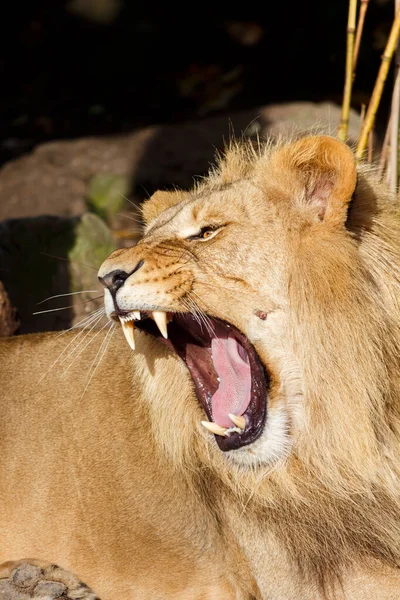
{"type": "Point", "coordinates": [301, 539]}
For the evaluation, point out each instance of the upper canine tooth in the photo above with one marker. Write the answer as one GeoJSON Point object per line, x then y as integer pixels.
{"type": "Point", "coordinates": [128, 329]}
{"type": "Point", "coordinates": [238, 420]}
{"type": "Point", "coordinates": [214, 428]}
{"type": "Point", "coordinates": [160, 318]}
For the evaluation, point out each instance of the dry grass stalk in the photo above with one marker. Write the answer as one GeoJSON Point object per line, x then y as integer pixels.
{"type": "Point", "coordinates": [385, 150]}
{"type": "Point", "coordinates": [393, 168]}
{"type": "Point", "coordinates": [351, 27]}
{"type": "Point", "coordinates": [362, 115]}
{"type": "Point", "coordinates": [370, 146]}
{"type": "Point", "coordinates": [392, 172]}
{"type": "Point", "coordinates": [360, 26]}
{"type": "Point", "coordinates": [378, 88]}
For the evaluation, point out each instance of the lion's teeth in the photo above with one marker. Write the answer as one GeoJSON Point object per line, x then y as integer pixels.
{"type": "Point", "coordinates": [238, 420]}
{"type": "Point", "coordinates": [128, 329]}
{"type": "Point", "coordinates": [136, 315]}
{"type": "Point", "coordinates": [214, 428]}
{"type": "Point", "coordinates": [160, 318]}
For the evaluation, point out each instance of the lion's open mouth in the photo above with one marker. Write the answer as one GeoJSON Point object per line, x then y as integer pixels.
{"type": "Point", "coordinates": [229, 378]}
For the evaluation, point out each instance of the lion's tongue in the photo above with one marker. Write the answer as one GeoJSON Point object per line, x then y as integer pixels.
{"type": "Point", "coordinates": [233, 369]}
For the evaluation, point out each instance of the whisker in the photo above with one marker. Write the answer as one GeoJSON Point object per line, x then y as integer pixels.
{"type": "Point", "coordinates": [89, 317]}
{"type": "Point", "coordinates": [221, 287]}
{"type": "Point", "coordinates": [40, 312]}
{"type": "Point", "coordinates": [131, 218]}
{"type": "Point", "coordinates": [201, 317]}
{"type": "Point", "coordinates": [205, 323]}
{"type": "Point", "coordinates": [173, 252]}
{"type": "Point", "coordinates": [85, 346]}
{"type": "Point", "coordinates": [191, 257]}
{"type": "Point", "coordinates": [145, 191]}
{"type": "Point", "coordinates": [70, 261]}
{"type": "Point", "coordinates": [213, 307]}
{"type": "Point", "coordinates": [66, 347]}
{"type": "Point", "coordinates": [106, 345]}
{"type": "Point", "coordinates": [204, 319]}
{"type": "Point", "coordinates": [93, 323]}
{"type": "Point", "coordinates": [192, 310]}
{"type": "Point", "coordinates": [191, 307]}
{"type": "Point", "coordinates": [130, 201]}
{"type": "Point", "coordinates": [197, 313]}
{"type": "Point", "coordinates": [69, 294]}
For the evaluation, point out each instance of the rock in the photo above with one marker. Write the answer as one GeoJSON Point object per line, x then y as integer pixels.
{"type": "Point", "coordinates": [93, 243]}
{"type": "Point", "coordinates": [32, 185]}
{"type": "Point", "coordinates": [176, 153]}
{"type": "Point", "coordinates": [57, 178]}
{"type": "Point", "coordinates": [9, 321]}
{"type": "Point", "coordinates": [65, 178]}
{"type": "Point", "coordinates": [46, 256]}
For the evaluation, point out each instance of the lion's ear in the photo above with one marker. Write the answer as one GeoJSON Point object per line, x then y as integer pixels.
{"type": "Point", "coordinates": [160, 201]}
{"type": "Point", "coordinates": [321, 174]}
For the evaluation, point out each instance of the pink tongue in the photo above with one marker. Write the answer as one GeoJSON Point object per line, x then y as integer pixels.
{"type": "Point", "coordinates": [233, 393]}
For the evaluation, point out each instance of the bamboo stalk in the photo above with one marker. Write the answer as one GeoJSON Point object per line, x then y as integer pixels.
{"type": "Point", "coordinates": [360, 26]}
{"type": "Point", "coordinates": [392, 174]}
{"type": "Point", "coordinates": [348, 83]}
{"type": "Point", "coordinates": [378, 88]}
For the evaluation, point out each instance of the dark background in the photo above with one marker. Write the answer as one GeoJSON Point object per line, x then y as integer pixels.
{"type": "Point", "coordinates": [64, 75]}
{"type": "Point", "coordinates": [67, 72]}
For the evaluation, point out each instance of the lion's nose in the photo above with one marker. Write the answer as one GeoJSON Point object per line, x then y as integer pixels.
{"type": "Point", "coordinates": [116, 279]}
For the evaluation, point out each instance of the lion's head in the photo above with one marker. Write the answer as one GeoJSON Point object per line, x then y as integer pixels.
{"type": "Point", "coordinates": [277, 281]}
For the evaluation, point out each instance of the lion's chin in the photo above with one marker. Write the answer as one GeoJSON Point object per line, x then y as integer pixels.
{"type": "Point", "coordinates": [229, 378]}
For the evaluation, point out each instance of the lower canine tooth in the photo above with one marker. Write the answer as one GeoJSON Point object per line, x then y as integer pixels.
{"type": "Point", "coordinates": [160, 318]}
{"type": "Point", "coordinates": [238, 420]}
{"type": "Point", "coordinates": [214, 428]}
{"type": "Point", "coordinates": [128, 329]}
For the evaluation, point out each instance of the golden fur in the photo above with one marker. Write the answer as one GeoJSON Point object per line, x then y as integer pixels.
{"type": "Point", "coordinates": [119, 482]}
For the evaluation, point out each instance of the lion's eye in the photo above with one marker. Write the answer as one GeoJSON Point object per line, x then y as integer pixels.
{"type": "Point", "coordinates": [205, 233]}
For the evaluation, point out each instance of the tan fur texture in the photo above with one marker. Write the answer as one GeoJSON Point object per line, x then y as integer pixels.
{"type": "Point", "coordinates": [114, 478]}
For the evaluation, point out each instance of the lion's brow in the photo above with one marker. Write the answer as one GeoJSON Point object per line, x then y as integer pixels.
{"type": "Point", "coordinates": [192, 198]}
{"type": "Point", "coordinates": [158, 226]}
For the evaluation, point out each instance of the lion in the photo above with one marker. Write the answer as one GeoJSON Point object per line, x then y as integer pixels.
{"type": "Point", "coordinates": [245, 443]}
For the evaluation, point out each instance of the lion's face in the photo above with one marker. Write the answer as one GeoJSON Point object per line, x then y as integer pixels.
{"type": "Point", "coordinates": [212, 279]}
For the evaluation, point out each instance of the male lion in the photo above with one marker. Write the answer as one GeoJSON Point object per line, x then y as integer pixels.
{"type": "Point", "coordinates": [246, 443]}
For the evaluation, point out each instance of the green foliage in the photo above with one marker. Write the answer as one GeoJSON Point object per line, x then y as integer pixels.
{"type": "Point", "coordinates": [92, 244]}
{"type": "Point", "coordinates": [106, 194]}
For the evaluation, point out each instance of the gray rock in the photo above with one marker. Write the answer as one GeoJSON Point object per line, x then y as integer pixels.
{"type": "Point", "coordinates": [63, 179]}
{"type": "Point", "coordinates": [56, 177]}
